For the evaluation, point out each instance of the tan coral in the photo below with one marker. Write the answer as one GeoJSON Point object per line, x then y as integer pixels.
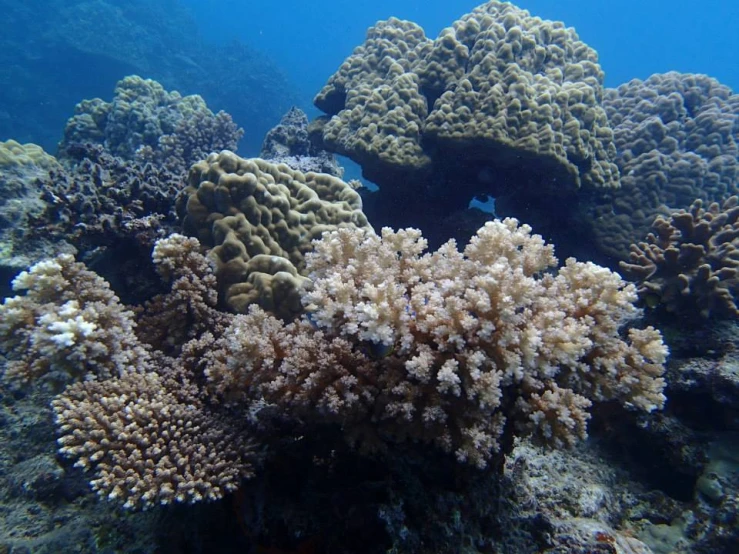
{"type": "Point", "coordinates": [499, 88]}
{"type": "Point", "coordinates": [150, 442]}
{"type": "Point", "coordinates": [251, 212]}
{"type": "Point", "coordinates": [525, 88]}
{"type": "Point", "coordinates": [447, 347]}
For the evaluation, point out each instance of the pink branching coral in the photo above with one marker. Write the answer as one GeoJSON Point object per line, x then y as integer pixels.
{"type": "Point", "coordinates": [446, 347]}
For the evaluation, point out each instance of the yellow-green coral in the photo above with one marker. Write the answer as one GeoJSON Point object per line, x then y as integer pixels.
{"type": "Point", "coordinates": [259, 219]}
{"type": "Point", "coordinates": [14, 155]}
{"type": "Point", "coordinates": [499, 87]}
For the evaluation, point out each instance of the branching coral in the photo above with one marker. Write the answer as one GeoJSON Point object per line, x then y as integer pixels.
{"type": "Point", "coordinates": [460, 350]}
{"type": "Point", "coordinates": [132, 415]}
{"type": "Point", "coordinates": [690, 263]}
{"type": "Point", "coordinates": [150, 441]}
{"type": "Point", "coordinates": [68, 324]}
{"type": "Point", "coordinates": [447, 347]}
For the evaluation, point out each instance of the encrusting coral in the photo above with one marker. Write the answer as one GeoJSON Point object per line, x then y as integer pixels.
{"type": "Point", "coordinates": [450, 348]}
{"type": "Point", "coordinates": [689, 264]}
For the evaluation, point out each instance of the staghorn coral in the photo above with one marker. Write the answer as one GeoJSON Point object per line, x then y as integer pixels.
{"type": "Point", "coordinates": [451, 348]}
{"type": "Point", "coordinates": [677, 136]}
{"type": "Point", "coordinates": [143, 120]}
{"type": "Point", "coordinates": [68, 325]}
{"type": "Point", "coordinates": [259, 219]}
{"type": "Point", "coordinates": [689, 264]}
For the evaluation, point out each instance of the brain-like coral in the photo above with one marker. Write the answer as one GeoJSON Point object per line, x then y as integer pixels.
{"type": "Point", "coordinates": [259, 219]}
{"type": "Point", "coordinates": [498, 88]}
{"type": "Point", "coordinates": [517, 89]}
{"type": "Point", "coordinates": [14, 155]}
{"type": "Point", "coordinates": [449, 348]}
{"type": "Point", "coordinates": [689, 265]}
{"type": "Point", "coordinates": [677, 137]}
{"type": "Point", "coordinates": [145, 120]}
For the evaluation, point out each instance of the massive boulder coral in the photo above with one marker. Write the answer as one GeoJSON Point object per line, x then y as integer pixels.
{"type": "Point", "coordinates": [259, 219]}
{"type": "Point", "coordinates": [677, 136]}
{"type": "Point", "coordinates": [457, 349]}
{"type": "Point", "coordinates": [144, 120]}
{"type": "Point", "coordinates": [501, 103]}
{"type": "Point", "coordinates": [689, 264]}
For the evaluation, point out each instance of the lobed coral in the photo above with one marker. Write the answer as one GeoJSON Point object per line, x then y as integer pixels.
{"type": "Point", "coordinates": [677, 136]}
{"type": "Point", "coordinates": [509, 86]}
{"type": "Point", "coordinates": [689, 264]}
{"type": "Point", "coordinates": [259, 219]}
{"type": "Point", "coordinates": [451, 348]}
{"type": "Point", "coordinates": [501, 104]}
{"type": "Point", "coordinates": [498, 85]}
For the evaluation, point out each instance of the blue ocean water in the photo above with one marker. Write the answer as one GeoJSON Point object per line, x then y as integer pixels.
{"type": "Point", "coordinates": [634, 38]}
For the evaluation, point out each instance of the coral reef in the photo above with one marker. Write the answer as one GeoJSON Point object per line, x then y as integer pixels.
{"type": "Point", "coordinates": [132, 415]}
{"type": "Point", "coordinates": [501, 103]}
{"type": "Point", "coordinates": [677, 136]}
{"type": "Point", "coordinates": [145, 121]}
{"type": "Point", "coordinates": [259, 220]}
{"type": "Point", "coordinates": [450, 348]}
{"type": "Point", "coordinates": [689, 265]}
{"type": "Point", "coordinates": [290, 142]}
